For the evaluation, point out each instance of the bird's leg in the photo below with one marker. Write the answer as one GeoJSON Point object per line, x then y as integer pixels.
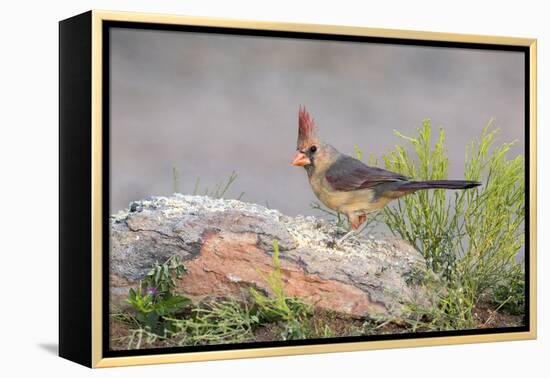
{"type": "Point", "coordinates": [358, 224]}
{"type": "Point", "coordinates": [345, 237]}
{"type": "Point", "coordinates": [361, 228]}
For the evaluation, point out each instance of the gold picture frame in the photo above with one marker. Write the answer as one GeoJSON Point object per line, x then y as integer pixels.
{"type": "Point", "coordinates": [82, 270]}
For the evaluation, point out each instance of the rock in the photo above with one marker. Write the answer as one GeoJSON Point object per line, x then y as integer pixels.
{"type": "Point", "coordinates": [226, 246]}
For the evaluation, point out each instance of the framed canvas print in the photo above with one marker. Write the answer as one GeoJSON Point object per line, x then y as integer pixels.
{"type": "Point", "coordinates": [234, 189]}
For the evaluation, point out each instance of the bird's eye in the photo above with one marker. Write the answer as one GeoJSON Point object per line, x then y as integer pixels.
{"type": "Point", "coordinates": [313, 148]}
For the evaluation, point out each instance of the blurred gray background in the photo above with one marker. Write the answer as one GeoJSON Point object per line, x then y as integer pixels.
{"type": "Point", "coordinates": [211, 104]}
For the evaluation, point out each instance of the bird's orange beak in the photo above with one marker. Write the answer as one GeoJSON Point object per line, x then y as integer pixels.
{"type": "Point", "coordinates": [300, 159]}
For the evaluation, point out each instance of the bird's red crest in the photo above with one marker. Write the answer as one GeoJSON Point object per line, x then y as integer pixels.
{"type": "Point", "coordinates": [307, 132]}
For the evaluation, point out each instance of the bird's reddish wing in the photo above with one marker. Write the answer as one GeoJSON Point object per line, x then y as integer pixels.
{"type": "Point", "coordinates": [347, 174]}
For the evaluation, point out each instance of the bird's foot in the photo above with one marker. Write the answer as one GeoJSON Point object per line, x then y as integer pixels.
{"type": "Point", "coordinates": [353, 233]}
{"type": "Point", "coordinates": [345, 237]}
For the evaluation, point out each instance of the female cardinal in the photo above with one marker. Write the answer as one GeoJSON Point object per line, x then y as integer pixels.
{"type": "Point", "coordinates": [348, 186]}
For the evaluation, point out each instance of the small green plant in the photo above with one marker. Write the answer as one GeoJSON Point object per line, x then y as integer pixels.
{"type": "Point", "coordinates": [142, 337]}
{"type": "Point", "coordinates": [358, 152]}
{"type": "Point", "coordinates": [176, 178]}
{"type": "Point", "coordinates": [153, 300]}
{"type": "Point", "coordinates": [220, 189]}
{"type": "Point", "coordinates": [454, 310]}
{"type": "Point", "coordinates": [163, 277]}
{"type": "Point", "coordinates": [290, 311]}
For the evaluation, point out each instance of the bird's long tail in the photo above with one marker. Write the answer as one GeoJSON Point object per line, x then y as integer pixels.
{"type": "Point", "coordinates": [439, 184]}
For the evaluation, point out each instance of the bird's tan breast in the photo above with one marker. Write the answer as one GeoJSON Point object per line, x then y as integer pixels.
{"type": "Point", "coordinates": [356, 201]}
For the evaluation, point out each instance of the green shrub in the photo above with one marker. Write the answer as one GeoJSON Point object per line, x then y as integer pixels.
{"type": "Point", "coordinates": [425, 219]}
{"type": "Point", "coordinates": [471, 238]}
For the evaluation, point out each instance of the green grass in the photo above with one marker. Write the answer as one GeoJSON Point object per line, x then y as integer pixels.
{"type": "Point", "coordinates": [227, 321]}
{"type": "Point", "coordinates": [219, 190]}
{"type": "Point", "coordinates": [280, 308]}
